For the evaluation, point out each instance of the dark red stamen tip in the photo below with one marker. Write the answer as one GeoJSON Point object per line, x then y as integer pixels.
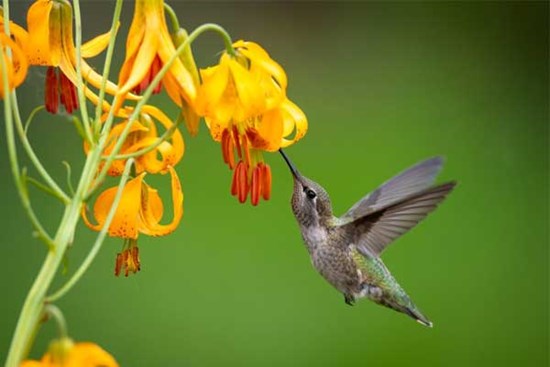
{"type": "Point", "coordinates": [118, 264]}
{"type": "Point", "coordinates": [51, 94]}
{"type": "Point", "coordinates": [242, 181]}
{"type": "Point", "coordinates": [155, 67]}
{"type": "Point", "coordinates": [237, 142]}
{"type": "Point", "coordinates": [266, 181]}
{"type": "Point", "coordinates": [227, 149]}
{"type": "Point", "coordinates": [256, 185]}
{"type": "Point", "coordinates": [68, 94]}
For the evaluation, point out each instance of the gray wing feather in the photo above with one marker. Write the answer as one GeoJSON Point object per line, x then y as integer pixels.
{"type": "Point", "coordinates": [376, 231]}
{"type": "Point", "coordinates": [415, 179]}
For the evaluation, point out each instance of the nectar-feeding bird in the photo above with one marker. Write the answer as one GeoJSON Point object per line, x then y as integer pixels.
{"type": "Point", "coordinates": [346, 250]}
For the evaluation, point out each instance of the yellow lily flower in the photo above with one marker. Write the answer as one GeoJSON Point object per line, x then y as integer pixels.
{"type": "Point", "coordinates": [143, 134]}
{"type": "Point", "coordinates": [243, 100]}
{"type": "Point", "coordinates": [140, 210]}
{"type": "Point", "coordinates": [16, 66]}
{"type": "Point", "coordinates": [65, 353]}
{"type": "Point", "coordinates": [148, 47]}
{"type": "Point", "coordinates": [49, 42]}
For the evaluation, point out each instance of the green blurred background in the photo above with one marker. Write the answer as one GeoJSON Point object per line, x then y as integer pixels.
{"type": "Point", "coordinates": [384, 85]}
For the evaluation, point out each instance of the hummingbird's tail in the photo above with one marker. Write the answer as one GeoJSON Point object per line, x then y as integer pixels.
{"type": "Point", "coordinates": [418, 316]}
{"type": "Point", "coordinates": [408, 308]}
{"type": "Point", "coordinates": [396, 298]}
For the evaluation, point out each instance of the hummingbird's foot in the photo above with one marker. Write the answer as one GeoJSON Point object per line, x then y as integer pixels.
{"type": "Point", "coordinates": [349, 299]}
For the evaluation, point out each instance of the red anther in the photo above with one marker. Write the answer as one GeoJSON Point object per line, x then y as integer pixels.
{"type": "Point", "coordinates": [68, 94]}
{"type": "Point", "coordinates": [237, 142]}
{"type": "Point", "coordinates": [227, 149]}
{"type": "Point", "coordinates": [155, 67]}
{"type": "Point", "coordinates": [242, 182]}
{"type": "Point", "coordinates": [135, 258]}
{"type": "Point", "coordinates": [246, 151]}
{"type": "Point", "coordinates": [118, 264]}
{"type": "Point", "coordinates": [266, 181]}
{"type": "Point", "coordinates": [234, 188]}
{"type": "Point", "coordinates": [51, 91]}
{"type": "Point", "coordinates": [256, 185]}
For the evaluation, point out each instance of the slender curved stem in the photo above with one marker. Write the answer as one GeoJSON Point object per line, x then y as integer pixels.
{"type": "Point", "coordinates": [80, 81]}
{"type": "Point", "coordinates": [99, 240]}
{"type": "Point", "coordinates": [107, 65]}
{"type": "Point", "coordinates": [173, 17]}
{"type": "Point", "coordinates": [31, 117]}
{"type": "Point", "coordinates": [32, 155]}
{"type": "Point", "coordinates": [55, 312]}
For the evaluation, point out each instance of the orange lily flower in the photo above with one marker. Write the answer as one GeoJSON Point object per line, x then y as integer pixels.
{"type": "Point", "coordinates": [65, 353]}
{"type": "Point", "coordinates": [140, 210]}
{"type": "Point", "coordinates": [16, 66]}
{"type": "Point", "coordinates": [143, 134]}
{"type": "Point", "coordinates": [148, 47]}
{"type": "Point", "coordinates": [49, 42]}
{"type": "Point", "coordinates": [243, 100]}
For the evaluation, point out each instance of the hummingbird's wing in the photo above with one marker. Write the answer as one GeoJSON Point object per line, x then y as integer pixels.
{"type": "Point", "coordinates": [415, 179]}
{"type": "Point", "coordinates": [374, 232]}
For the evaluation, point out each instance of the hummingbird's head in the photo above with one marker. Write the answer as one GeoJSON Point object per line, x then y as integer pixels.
{"type": "Point", "coordinates": [310, 201]}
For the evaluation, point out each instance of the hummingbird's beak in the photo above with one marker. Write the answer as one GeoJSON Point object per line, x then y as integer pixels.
{"type": "Point", "coordinates": [293, 169]}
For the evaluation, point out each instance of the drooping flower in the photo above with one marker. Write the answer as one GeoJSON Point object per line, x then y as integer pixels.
{"type": "Point", "coordinates": [143, 134]}
{"type": "Point", "coordinates": [16, 66]}
{"type": "Point", "coordinates": [243, 100]}
{"type": "Point", "coordinates": [140, 210]}
{"type": "Point", "coordinates": [149, 46]}
{"type": "Point", "coordinates": [64, 352]}
{"type": "Point", "coordinates": [49, 42]}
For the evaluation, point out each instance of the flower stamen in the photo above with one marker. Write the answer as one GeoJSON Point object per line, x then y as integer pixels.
{"type": "Point", "coordinates": [51, 91]}
{"type": "Point", "coordinates": [128, 259]}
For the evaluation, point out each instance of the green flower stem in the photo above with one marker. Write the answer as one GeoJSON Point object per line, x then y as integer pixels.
{"type": "Point", "coordinates": [99, 240]}
{"type": "Point", "coordinates": [32, 156]}
{"type": "Point", "coordinates": [31, 117]}
{"type": "Point", "coordinates": [149, 91]}
{"type": "Point", "coordinates": [12, 150]}
{"type": "Point", "coordinates": [80, 82]}
{"type": "Point", "coordinates": [173, 18]}
{"type": "Point", "coordinates": [57, 315]}
{"type": "Point", "coordinates": [107, 67]}
{"type": "Point", "coordinates": [39, 185]}
{"type": "Point", "coordinates": [34, 303]}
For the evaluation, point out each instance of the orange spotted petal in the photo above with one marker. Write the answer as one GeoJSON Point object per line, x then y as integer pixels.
{"type": "Point", "coordinates": [125, 221]}
{"type": "Point", "coordinates": [16, 67]}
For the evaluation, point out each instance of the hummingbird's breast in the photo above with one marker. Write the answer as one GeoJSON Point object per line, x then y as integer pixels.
{"type": "Point", "coordinates": [332, 259]}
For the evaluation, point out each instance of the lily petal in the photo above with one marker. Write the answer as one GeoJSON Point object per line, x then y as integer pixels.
{"type": "Point", "coordinates": [150, 223]}
{"type": "Point", "coordinates": [293, 120]}
{"type": "Point", "coordinates": [96, 45]}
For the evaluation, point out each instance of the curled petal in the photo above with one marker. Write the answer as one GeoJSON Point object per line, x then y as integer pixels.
{"type": "Point", "coordinates": [152, 211]}
{"type": "Point", "coordinates": [16, 67]}
{"type": "Point", "coordinates": [96, 45]}
{"type": "Point", "coordinates": [293, 120]}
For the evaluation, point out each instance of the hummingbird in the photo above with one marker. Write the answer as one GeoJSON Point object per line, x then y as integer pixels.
{"type": "Point", "coordinates": [346, 250]}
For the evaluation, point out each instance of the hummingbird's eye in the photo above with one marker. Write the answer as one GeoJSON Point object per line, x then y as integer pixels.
{"type": "Point", "coordinates": [310, 193]}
